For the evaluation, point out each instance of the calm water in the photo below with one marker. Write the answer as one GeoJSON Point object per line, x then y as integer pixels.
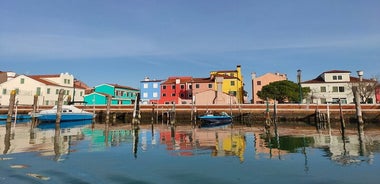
{"type": "Point", "coordinates": [86, 153]}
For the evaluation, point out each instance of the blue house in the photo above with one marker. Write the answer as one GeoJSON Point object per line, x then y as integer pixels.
{"type": "Point", "coordinates": [150, 91]}
{"type": "Point", "coordinates": [120, 95]}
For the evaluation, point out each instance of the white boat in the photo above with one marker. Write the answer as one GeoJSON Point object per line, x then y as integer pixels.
{"type": "Point", "coordinates": [69, 113]}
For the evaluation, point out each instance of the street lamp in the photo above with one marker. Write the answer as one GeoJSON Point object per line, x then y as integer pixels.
{"type": "Point", "coordinates": [299, 84]}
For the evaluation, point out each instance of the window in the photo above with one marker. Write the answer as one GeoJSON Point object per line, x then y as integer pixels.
{"type": "Point", "coordinates": [340, 77]}
{"type": "Point", "coordinates": [155, 94]}
{"type": "Point", "coordinates": [81, 93]}
{"type": "Point", "coordinates": [232, 83]}
{"type": "Point", "coordinates": [4, 91]}
{"type": "Point", "coordinates": [182, 86]}
{"type": "Point", "coordinates": [145, 85]}
{"type": "Point", "coordinates": [145, 95]}
{"type": "Point", "coordinates": [196, 85]}
{"type": "Point", "coordinates": [335, 89]}
{"type": "Point", "coordinates": [190, 86]}
{"type": "Point", "coordinates": [210, 86]}
{"type": "Point", "coordinates": [335, 77]}
{"type": "Point", "coordinates": [258, 83]}
{"type": "Point", "coordinates": [38, 91]}
{"type": "Point", "coordinates": [173, 86]}
{"type": "Point", "coordinates": [182, 95]}
{"type": "Point", "coordinates": [48, 91]}
{"type": "Point", "coordinates": [17, 91]}
{"type": "Point", "coordinates": [323, 88]}
{"type": "Point", "coordinates": [164, 94]}
{"type": "Point", "coordinates": [163, 87]}
{"type": "Point", "coordinates": [173, 94]}
{"type": "Point", "coordinates": [155, 85]}
{"type": "Point", "coordinates": [323, 101]}
{"type": "Point", "coordinates": [341, 89]}
{"type": "Point", "coordinates": [57, 91]}
{"type": "Point", "coordinates": [22, 81]}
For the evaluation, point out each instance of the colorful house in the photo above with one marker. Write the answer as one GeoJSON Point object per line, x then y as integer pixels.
{"type": "Point", "coordinates": [259, 82]}
{"type": "Point", "coordinates": [208, 91]}
{"type": "Point", "coordinates": [150, 91]}
{"type": "Point", "coordinates": [120, 95]}
{"type": "Point", "coordinates": [45, 87]}
{"type": "Point", "coordinates": [176, 90]}
{"type": "Point", "coordinates": [233, 82]}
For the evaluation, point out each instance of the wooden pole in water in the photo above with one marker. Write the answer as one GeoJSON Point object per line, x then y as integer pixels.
{"type": "Point", "coordinates": [358, 106]}
{"type": "Point", "coordinates": [343, 125]}
{"type": "Point", "coordinates": [59, 106]}
{"type": "Point", "coordinates": [153, 114]}
{"type": "Point", "coordinates": [108, 109]}
{"type": "Point", "coordinates": [34, 111]}
{"type": "Point", "coordinates": [12, 99]}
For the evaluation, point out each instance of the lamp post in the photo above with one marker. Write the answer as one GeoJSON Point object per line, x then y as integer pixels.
{"type": "Point", "coordinates": [299, 84]}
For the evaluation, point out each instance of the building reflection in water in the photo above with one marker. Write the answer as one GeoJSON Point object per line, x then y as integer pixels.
{"type": "Point", "coordinates": [218, 142]}
{"type": "Point", "coordinates": [57, 143]}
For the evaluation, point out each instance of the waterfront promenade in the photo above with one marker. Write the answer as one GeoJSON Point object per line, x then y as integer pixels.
{"type": "Point", "coordinates": [256, 112]}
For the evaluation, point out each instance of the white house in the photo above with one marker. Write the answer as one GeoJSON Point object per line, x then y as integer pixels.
{"type": "Point", "coordinates": [46, 87]}
{"type": "Point", "coordinates": [330, 86]}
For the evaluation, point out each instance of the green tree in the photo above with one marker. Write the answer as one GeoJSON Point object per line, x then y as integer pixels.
{"type": "Point", "coordinates": [282, 91]}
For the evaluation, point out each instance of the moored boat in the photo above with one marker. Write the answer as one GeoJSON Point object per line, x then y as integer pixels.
{"type": "Point", "coordinates": [69, 113]}
{"type": "Point", "coordinates": [215, 120]}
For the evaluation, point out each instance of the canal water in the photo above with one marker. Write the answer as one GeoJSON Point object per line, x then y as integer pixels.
{"type": "Point", "coordinates": [83, 152]}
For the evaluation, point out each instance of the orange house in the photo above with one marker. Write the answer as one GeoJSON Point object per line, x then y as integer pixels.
{"type": "Point", "coordinates": [259, 82]}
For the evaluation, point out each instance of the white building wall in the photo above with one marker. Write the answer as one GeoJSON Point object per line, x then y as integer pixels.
{"type": "Point", "coordinates": [48, 94]}
{"type": "Point", "coordinates": [318, 96]}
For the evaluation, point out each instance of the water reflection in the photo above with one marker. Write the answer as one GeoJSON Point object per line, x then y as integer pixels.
{"type": "Point", "coordinates": [353, 147]}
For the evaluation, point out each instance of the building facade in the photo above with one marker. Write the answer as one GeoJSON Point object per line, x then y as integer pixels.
{"type": "Point", "coordinates": [45, 87]}
{"type": "Point", "coordinates": [259, 82]}
{"type": "Point", "coordinates": [332, 86]}
{"type": "Point", "coordinates": [150, 91]}
{"type": "Point", "coordinates": [233, 82]}
{"type": "Point", "coordinates": [176, 90]}
{"type": "Point", "coordinates": [120, 95]}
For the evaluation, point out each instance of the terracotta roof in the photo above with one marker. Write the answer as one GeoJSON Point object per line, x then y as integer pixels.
{"type": "Point", "coordinates": [203, 80]}
{"type": "Point", "coordinates": [172, 80]}
{"type": "Point", "coordinates": [46, 76]}
{"type": "Point", "coordinates": [337, 71]}
{"type": "Point", "coordinates": [319, 79]}
{"type": "Point", "coordinates": [39, 79]}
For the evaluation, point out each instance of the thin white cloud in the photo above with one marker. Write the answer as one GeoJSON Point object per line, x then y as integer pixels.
{"type": "Point", "coordinates": [66, 46]}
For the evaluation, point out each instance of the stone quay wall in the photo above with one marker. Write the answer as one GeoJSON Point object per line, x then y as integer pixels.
{"type": "Point", "coordinates": [242, 113]}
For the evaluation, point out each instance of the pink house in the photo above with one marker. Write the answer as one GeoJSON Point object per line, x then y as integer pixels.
{"type": "Point", "coordinates": [208, 91]}
{"type": "Point", "coordinates": [259, 82]}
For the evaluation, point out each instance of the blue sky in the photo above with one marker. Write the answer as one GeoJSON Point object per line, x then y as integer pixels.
{"type": "Point", "coordinates": [122, 41]}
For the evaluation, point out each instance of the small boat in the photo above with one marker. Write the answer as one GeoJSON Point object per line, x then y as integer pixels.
{"type": "Point", "coordinates": [69, 113]}
{"type": "Point", "coordinates": [214, 120]}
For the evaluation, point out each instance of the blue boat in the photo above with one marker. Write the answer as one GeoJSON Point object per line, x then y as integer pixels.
{"type": "Point", "coordinates": [215, 120]}
{"type": "Point", "coordinates": [69, 113]}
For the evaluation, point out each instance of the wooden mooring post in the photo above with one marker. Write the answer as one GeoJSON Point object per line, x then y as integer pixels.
{"type": "Point", "coordinates": [59, 106]}
{"type": "Point", "coordinates": [342, 123]}
{"type": "Point", "coordinates": [12, 100]}
{"type": "Point", "coordinates": [136, 113]}
{"type": "Point", "coordinates": [108, 109]}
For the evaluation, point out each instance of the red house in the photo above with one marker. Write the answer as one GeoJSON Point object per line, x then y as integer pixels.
{"type": "Point", "coordinates": [176, 90]}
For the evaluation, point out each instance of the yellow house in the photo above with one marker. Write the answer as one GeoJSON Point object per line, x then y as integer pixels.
{"type": "Point", "coordinates": [232, 83]}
